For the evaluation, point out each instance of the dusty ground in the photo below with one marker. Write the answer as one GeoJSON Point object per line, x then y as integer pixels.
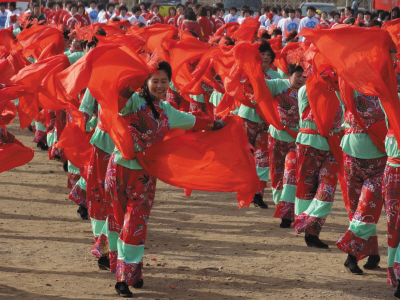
{"type": "Point", "coordinates": [205, 247]}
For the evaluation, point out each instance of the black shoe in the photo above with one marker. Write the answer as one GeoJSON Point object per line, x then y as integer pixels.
{"type": "Point", "coordinates": [286, 223]}
{"type": "Point", "coordinates": [373, 262]}
{"type": "Point", "coordinates": [259, 202]}
{"type": "Point", "coordinates": [138, 284]}
{"type": "Point", "coordinates": [65, 166]}
{"type": "Point", "coordinates": [314, 241]}
{"type": "Point", "coordinates": [352, 266]}
{"type": "Point", "coordinates": [122, 289]}
{"type": "Point", "coordinates": [104, 264]}
{"type": "Point", "coordinates": [42, 146]}
{"type": "Point", "coordinates": [83, 212]}
{"type": "Point", "coordinates": [397, 292]}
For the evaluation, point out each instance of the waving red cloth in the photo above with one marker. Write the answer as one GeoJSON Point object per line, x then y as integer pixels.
{"type": "Point", "coordinates": [188, 50]}
{"type": "Point", "coordinates": [281, 56]}
{"type": "Point", "coordinates": [229, 27]}
{"type": "Point", "coordinates": [247, 31]}
{"type": "Point", "coordinates": [13, 155]}
{"type": "Point", "coordinates": [34, 40]}
{"type": "Point", "coordinates": [155, 35]}
{"type": "Point", "coordinates": [49, 51]}
{"type": "Point", "coordinates": [74, 141]}
{"type": "Point", "coordinates": [207, 161]}
{"type": "Point", "coordinates": [127, 67]}
{"type": "Point", "coordinates": [7, 38]}
{"type": "Point", "coordinates": [248, 60]}
{"type": "Point", "coordinates": [393, 27]}
{"type": "Point", "coordinates": [11, 66]}
{"type": "Point", "coordinates": [276, 43]}
{"type": "Point", "coordinates": [362, 59]}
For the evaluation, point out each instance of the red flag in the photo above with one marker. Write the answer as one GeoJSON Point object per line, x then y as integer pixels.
{"type": "Point", "coordinates": [362, 59]}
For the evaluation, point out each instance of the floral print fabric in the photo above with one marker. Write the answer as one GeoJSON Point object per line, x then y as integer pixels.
{"type": "Point", "coordinates": [391, 195]}
{"type": "Point", "coordinates": [364, 190]}
{"type": "Point", "coordinates": [317, 177]}
{"type": "Point", "coordinates": [282, 157]}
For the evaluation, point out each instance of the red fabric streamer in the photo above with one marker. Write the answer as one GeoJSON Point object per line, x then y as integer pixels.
{"type": "Point", "coordinates": [207, 161]}
{"type": "Point", "coordinates": [393, 27]}
{"type": "Point", "coordinates": [281, 56]}
{"type": "Point", "coordinates": [11, 66]}
{"type": "Point", "coordinates": [7, 38]}
{"type": "Point", "coordinates": [34, 40]}
{"type": "Point", "coordinates": [127, 67]}
{"type": "Point", "coordinates": [247, 31]}
{"type": "Point", "coordinates": [362, 59]}
{"type": "Point", "coordinates": [13, 155]}
{"type": "Point", "coordinates": [248, 60]}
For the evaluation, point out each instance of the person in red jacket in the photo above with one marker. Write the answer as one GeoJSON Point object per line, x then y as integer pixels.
{"type": "Point", "coordinates": [204, 23]}
{"type": "Point", "coordinates": [211, 19]}
{"type": "Point", "coordinates": [72, 19]}
{"type": "Point", "coordinates": [190, 24]}
{"type": "Point", "coordinates": [218, 20]}
{"type": "Point", "coordinates": [347, 14]}
{"type": "Point", "coordinates": [170, 19]}
{"type": "Point", "coordinates": [84, 16]}
{"type": "Point", "coordinates": [144, 10]}
{"type": "Point", "coordinates": [180, 16]}
{"type": "Point", "coordinates": [155, 17]}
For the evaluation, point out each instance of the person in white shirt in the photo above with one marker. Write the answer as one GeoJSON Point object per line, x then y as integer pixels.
{"type": "Point", "coordinates": [123, 10]}
{"type": "Point", "coordinates": [232, 17]}
{"type": "Point", "coordinates": [136, 16]}
{"type": "Point", "coordinates": [367, 18]}
{"type": "Point", "coordinates": [92, 11]}
{"type": "Point", "coordinates": [285, 15]}
{"type": "Point", "coordinates": [241, 16]}
{"type": "Point", "coordinates": [12, 11]}
{"type": "Point", "coordinates": [263, 18]}
{"type": "Point", "coordinates": [110, 13]}
{"type": "Point", "coordinates": [309, 21]}
{"type": "Point", "coordinates": [275, 17]}
{"type": "Point", "coordinates": [290, 23]}
{"type": "Point", "coordinates": [246, 14]}
{"type": "Point", "coordinates": [3, 15]}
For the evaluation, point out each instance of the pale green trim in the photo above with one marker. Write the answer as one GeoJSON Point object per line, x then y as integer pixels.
{"type": "Point", "coordinates": [250, 114]}
{"type": "Point", "coordinates": [288, 193]}
{"type": "Point", "coordinates": [276, 195]}
{"type": "Point", "coordinates": [319, 209]}
{"type": "Point", "coordinates": [51, 138]}
{"type": "Point", "coordinates": [301, 206]}
{"type": "Point", "coordinates": [102, 140]}
{"type": "Point", "coordinates": [97, 226]}
{"type": "Point", "coordinates": [39, 126]}
{"type": "Point", "coordinates": [113, 240]}
{"type": "Point", "coordinates": [393, 165]}
{"type": "Point", "coordinates": [391, 256]}
{"type": "Point", "coordinates": [198, 98]}
{"type": "Point", "coordinates": [263, 173]}
{"type": "Point", "coordinates": [129, 253]}
{"type": "Point", "coordinates": [282, 135]}
{"type": "Point", "coordinates": [363, 230]}
{"type": "Point", "coordinates": [360, 145]}
{"type": "Point", "coordinates": [72, 169]}
{"type": "Point", "coordinates": [82, 183]}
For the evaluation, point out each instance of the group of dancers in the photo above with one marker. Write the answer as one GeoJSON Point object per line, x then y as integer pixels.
{"type": "Point", "coordinates": [126, 105]}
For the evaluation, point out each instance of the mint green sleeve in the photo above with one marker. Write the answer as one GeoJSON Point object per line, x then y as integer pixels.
{"type": "Point", "coordinates": [176, 118]}
{"type": "Point", "coordinates": [172, 86]}
{"type": "Point", "coordinates": [88, 103]}
{"type": "Point", "coordinates": [75, 56]}
{"type": "Point", "coordinates": [276, 86]}
{"type": "Point", "coordinates": [274, 74]}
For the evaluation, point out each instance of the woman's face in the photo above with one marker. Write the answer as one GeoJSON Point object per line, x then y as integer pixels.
{"type": "Point", "coordinates": [171, 12]}
{"type": "Point", "coordinates": [297, 80]}
{"type": "Point", "coordinates": [360, 16]}
{"type": "Point", "coordinates": [261, 11]}
{"type": "Point", "coordinates": [158, 84]}
{"type": "Point", "coordinates": [266, 59]}
{"type": "Point", "coordinates": [336, 18]}
{"type": "Point", "coordinates": [76, 45]}
{"type": "Point", "coordinates": [155, 10]}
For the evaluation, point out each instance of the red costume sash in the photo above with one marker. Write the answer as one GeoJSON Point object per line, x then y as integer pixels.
{"type": "Point", "coordinates": [376, 132]}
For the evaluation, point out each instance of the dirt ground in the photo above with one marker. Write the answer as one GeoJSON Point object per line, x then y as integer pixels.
{"type": "Point", "coordinates": [205, 248]}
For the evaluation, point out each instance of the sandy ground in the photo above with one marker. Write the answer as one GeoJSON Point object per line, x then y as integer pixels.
{"type": "Point", "coordinates": [204, 246]}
